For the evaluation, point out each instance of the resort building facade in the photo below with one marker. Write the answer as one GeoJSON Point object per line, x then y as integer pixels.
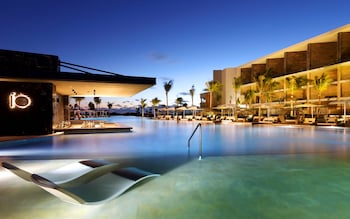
{"type": "Point", "coordinates": [328, 54]}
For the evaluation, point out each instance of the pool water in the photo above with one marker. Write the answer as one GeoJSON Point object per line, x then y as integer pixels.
{"type": "Point", "coordinates": [158, 138]}
{"type": "Point", "coordinates": [246, 172]}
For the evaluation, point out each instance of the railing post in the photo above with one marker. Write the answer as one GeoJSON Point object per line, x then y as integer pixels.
{"type": "Point", "coordinates": [200, 140]}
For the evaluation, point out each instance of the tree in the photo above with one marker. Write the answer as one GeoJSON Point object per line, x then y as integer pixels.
{"type": "Point", "coordinates": [249, 96]}
{"type": "Point", "coordinates": [109, 105]}
{"type": "Point", "coordinates": [78, 100]}
{"type": "Point", "coordinates": [91, 106]}
{"type": "Point", "coordinates": [179, 101]}
{"type": "Point", "coordinates": [295, 83]}
{"type": "Point", "coordinates": [236, 85]}
{"type": "Point", "coordinates": [192, 90]}
{"type": "Point", "coordinates": [167, 86]}
{"type": "Point", "coordinates": [321, 84]}
{"type": "Point", "coordinates": [265, 86]}
{"type": "Point", "coordinates": [212, 87]}
{"type": "Point", "coordinates": [143, 105]}
{"type": "Point", "coordinates": [97, 101]}
{"type": "Point", "coordinates": [155, 103]}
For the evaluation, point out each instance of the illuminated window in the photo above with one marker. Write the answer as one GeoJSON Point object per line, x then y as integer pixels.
{"type": "Point", "coordinates": [20, 100]}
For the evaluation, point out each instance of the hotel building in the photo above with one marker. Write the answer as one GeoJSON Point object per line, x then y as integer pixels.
{"type": "Point", "coordinates": [327, 53]}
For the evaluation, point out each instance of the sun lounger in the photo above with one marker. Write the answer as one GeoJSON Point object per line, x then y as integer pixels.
{"type": "Point", "coordinates": [93, 187]}
{"type": "Point", "coordinates": [86, 168]}
{"type": "Point", "coordinates": [98, 190]}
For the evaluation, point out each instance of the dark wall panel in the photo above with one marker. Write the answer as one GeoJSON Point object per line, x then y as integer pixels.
{"type": "Point", "coordinates": [25, 63]}
{"type": "Point", "coordinates": [246, 75]}
{"type": "Point", "coordinates": [295, 61]}
{"type": "Point", "coordinates": [322, 54]}
{"type": "Point", "coordinates": [276, 65]}
{"type": "Point", "coordinates": [35, 119]}
{"type": "Point", "coordinates": [343, 46]}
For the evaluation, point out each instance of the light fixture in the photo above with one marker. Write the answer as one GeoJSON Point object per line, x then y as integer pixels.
{"type": "Point", "coordinates": [20, 100]}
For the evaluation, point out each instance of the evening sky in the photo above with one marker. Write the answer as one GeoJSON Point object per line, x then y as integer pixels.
{"type": "Point", "coordinates": [180, 40]}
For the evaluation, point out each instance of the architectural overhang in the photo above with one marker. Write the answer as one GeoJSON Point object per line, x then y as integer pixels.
{"type": "Point", "coordinates": [82, 84]}
{"type": "Point", "coordinates": [20, 66]}
{"type": "Point", "coordinates": [330, 36]}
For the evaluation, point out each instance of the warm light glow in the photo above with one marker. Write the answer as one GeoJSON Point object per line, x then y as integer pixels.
{"type": "Point", "coordinates": [20, 100]}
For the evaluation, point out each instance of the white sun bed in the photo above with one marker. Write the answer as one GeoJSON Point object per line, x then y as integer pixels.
{"type": "Point", "coordinates": [86, 168]}
{"type": "Point", "coordinates": [93, 187]}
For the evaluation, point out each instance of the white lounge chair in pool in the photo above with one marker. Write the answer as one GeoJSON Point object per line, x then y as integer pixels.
{"type": "Point", "coordinates": [88, 189]}
{"type": "Point", "coordinates": [87, 168]}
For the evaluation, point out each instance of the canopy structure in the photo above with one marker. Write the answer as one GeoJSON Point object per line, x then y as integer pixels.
{"type": "Point", "coordinates": [80, 81]}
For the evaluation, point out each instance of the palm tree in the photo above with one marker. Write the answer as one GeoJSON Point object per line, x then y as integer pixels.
{"type": "Point", "coordinates": [321, 84]}
{"type": "Point", "coordinates": [143, 105]}
{"type": "Point", "coordinates": [91, 106]}
{"type": "Point", "coordinates": [212, 87]}
{"type": "Point", "coordinates": [236, 85]}
{"type": "Point", "coordinates": [167, 86]}
{"type": "Point", "coordinates": [179, 101]}
{"type": "Point", "coordinates": [192, 90]}
{"type": "Point", "coordinates": [97, 101]}
{"type": "Point", "coordinates": [109, 105]}
{"type": "Point", "coordinates": [249, 96]}
{"type": "Point", "coordinates": [155, 103]}
{"type": "Point", "coordinates": [265, 85]}
{"type": "Point", "coordinates": [295, 83]}
{"type": "Point", "coordinates": [78, 100]}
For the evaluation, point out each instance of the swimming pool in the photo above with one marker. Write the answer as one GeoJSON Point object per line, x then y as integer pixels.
{"type": "Point", "coordinates": [162, 138]}
{"type": "Point", "coordinates": [246, 172]}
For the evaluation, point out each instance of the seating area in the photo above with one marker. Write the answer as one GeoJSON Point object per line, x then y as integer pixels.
{"type": "Point", "coordinates": [88, 182]}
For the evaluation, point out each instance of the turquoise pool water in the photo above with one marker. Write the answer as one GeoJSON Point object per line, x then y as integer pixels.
{"type": "Point", "coordinates": [246, 172]}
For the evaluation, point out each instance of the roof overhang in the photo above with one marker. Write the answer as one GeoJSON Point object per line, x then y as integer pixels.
{"type": "Point", "coordinates": [78, 84]}
{"type": "Point", "coordinates": [330, 36]}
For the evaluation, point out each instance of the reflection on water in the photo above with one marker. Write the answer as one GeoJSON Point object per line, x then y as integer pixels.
{"type": "Point", "coordinates": [309, 178]}
{"type": "Point", "coordinates": [152, 138]}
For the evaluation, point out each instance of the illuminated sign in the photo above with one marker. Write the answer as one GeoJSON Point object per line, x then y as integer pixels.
{"type": "Point", "coordinates": [20, 100]}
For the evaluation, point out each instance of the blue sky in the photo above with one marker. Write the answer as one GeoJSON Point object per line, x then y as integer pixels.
{"type": "Point", "coordinates": [180, 40]}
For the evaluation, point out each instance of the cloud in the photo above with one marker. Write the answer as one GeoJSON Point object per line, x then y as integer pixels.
{"type": "Point", "coordinates": [165, 79]}
{"type": "Point", "coordinates": [158, 56]}
{"type": "Point", "coordinates": [161, 57]}
{"type": "Point", "coordinates": [184, 93]}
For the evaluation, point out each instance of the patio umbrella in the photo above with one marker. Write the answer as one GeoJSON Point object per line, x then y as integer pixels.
{"type": "Point", "coordinates": [194, 109]}
{"type": "Point", "coordinates": [223, 107]}
{"type": "Point", "coordinates": [183, 109]}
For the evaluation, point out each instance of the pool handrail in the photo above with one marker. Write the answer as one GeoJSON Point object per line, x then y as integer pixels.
{"type": "Point", "coordinates": [199, 125]}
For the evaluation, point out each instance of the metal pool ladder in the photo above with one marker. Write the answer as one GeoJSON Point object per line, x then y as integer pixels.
{"type": "Point", "coordinates": [200, 140]}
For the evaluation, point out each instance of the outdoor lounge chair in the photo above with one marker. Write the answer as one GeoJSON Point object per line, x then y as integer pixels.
{"type": "Point", "coordinates": [87, 168]}
{"type": "Point", "coordinates": [88, 188]}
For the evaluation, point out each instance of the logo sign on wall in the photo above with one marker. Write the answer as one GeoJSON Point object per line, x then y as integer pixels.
{"type": "Point", "coordinates": [20, 101]}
